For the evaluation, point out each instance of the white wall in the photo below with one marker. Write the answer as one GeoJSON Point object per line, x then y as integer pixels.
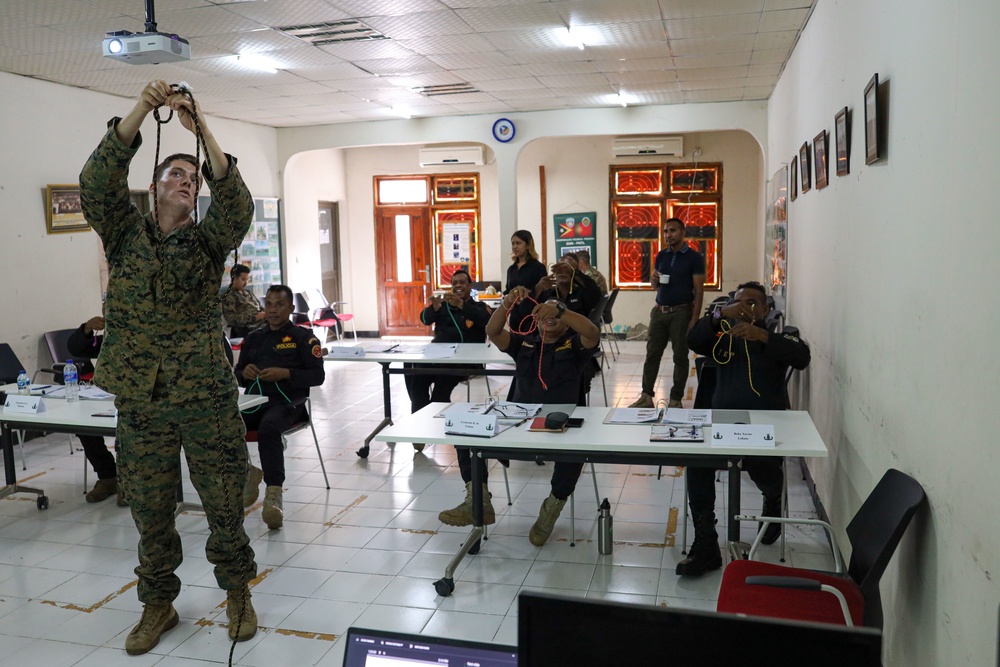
{"type": "Point", "coordinates": [892, 273]}
{"type": "Point", "coordinates": [52, 281]}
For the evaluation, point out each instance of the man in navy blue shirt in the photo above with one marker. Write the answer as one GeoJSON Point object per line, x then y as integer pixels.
{"type": "Point", "coordinates": [679, 280]}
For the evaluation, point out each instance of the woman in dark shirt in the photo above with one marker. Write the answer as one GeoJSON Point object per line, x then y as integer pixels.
{"type": "Point", "coordinates": [525, 271]}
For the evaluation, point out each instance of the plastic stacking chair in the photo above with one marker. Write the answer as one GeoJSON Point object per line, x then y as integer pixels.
{"type": "Point", "coordinates": [849, 598]}
{"type": "Point", "coordinates": [295, 428]}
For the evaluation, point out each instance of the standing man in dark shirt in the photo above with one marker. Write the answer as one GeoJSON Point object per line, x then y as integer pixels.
{"type": "Point", "coordinates": [750, 375]}
{"type": "Point", "coordinates": [280, 361]}
{"type": "Point", "coordinates": [84, 344]}
{"type": "Point", "coordinates": [549, 369]}
{"type": "Point", "coordinates": [679, 280]}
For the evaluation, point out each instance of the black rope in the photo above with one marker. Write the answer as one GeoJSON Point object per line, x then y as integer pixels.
{"type": "Point", "coordinates": [206, 314]}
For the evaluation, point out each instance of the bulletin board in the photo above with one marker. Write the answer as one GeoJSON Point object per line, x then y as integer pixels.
{"type": "Point", "coordinates": [261, 247]}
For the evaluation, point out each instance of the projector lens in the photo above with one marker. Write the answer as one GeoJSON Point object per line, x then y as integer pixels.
{"type": "Point", "coordinates": [115, 46]}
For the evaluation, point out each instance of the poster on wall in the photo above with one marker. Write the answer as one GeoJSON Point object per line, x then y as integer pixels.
{"type": "Point", "coordinates": [260, 250]}
{"type": "Point", "coordinates": [576, 231]}
{"type": "Point", "coordinates": [775, 239]}
{"type": "Point", "coordinates": [457, 246]}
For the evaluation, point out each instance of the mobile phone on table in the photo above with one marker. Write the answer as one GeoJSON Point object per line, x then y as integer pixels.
{"type": "Point", "coordinates": [575, 422]}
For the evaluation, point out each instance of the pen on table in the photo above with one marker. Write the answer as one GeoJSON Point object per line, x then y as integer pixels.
{"type": "Point", "coordinates": [102, 414]}
{"type": "Point", "coordinates": [521, 422]}
{"type": "Point", "coordinates": [392, 347]}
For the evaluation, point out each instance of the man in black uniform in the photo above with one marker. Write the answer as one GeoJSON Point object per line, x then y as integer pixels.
{"type": "Point", "coordinates": [752, 363]}
{"type": "Point", "coordinates": [280, 361]}
{"type": "Point", "coordinates": [549, 369]}
{"type": "Point", "coordinates": [84, 344]}
{"type": "Point", "coordinates": [577, 290]}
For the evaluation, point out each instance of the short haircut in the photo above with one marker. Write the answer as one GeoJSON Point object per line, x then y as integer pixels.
{"type": "Point", "coordinates": [676, 221]}
{"type": "Point", "coordinates": [186, 157]}
{"type": "Point", "coordinates": [584, 255]}
{"type": "Point", "coordinates": [240, 269]}
{"type": "Point", "coordinates": [752, 284]}
{"type": "Point", "coordinates": [284, 290]}
{"type": "Point", "coordinates": [463, 272]}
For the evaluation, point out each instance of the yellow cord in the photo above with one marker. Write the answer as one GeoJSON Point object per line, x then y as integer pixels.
{"type": "Point", "coordinates": [726, 328]}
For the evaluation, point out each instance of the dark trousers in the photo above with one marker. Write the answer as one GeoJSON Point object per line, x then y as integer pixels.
{"type": "Point", "coordinates": [426, 389]}
{"type": "Point", "coordinates": [99, 457]}
{"type": "Point", "coordinates": [765, 471]}
{"type": "Point", "coordinates": [667, 328]}
{"type": "Point", "coordinates": [270, 421]}
{"type": "Point", "coordinates": [465, 464]}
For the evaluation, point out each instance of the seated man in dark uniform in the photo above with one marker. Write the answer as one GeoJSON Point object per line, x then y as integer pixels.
{"type": "Point", "coordinates": [280, 361]}
{"type": "Point", "coordinates": [457, 318]}
{"type": "Point", "coordinates": [750, 375]}
{"type": "Point", "coordinates": [549, 369]}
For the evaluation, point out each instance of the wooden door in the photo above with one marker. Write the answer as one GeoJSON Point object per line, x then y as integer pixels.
{"type": "Point", "coordinates": [403, 247]}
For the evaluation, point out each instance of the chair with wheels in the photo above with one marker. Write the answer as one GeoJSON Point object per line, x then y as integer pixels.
{"type": "Point", "coordinates": [848, 598]}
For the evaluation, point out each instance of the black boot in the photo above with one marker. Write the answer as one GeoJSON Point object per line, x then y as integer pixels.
{"type": "Point", "coordinates": [772, 507]}
{"type": "Point", "coordinates": [704, 555]}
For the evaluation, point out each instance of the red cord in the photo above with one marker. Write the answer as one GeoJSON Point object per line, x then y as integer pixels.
{"type": "Point", "coordinates": [532, 327]}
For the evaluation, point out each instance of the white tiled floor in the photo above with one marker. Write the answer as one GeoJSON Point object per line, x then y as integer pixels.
{"type": "Point", "coordinates": [362, 553]}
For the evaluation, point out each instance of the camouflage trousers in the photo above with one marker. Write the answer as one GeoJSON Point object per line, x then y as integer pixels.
{"type": "Point", "coordinates": [151, 435]}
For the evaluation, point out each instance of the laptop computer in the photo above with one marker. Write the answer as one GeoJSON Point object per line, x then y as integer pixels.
{"type": "Point", "coordinates": [383, 648]}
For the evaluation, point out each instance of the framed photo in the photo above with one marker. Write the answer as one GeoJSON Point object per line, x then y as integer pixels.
{"type": "Point", "coordinates": [63, 212]}
{"type": "Point", "coordinates": [804, 171]}
{"type": "Point", "coordinates": [841, 130]}
{"type": "Point", "coordinates": [819, 154]}
{"type": "Point", "coordinates": [793, 178]}
{"type": "Point", "coordinates": [871, 120]}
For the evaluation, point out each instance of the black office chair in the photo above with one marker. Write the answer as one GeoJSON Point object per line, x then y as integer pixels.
{"type": "Point", "coordinates": [597, 317]}
{"type": "Point", "coordinates": [609, 331]}
{"type": "Point", "coordinates": [57, 343]}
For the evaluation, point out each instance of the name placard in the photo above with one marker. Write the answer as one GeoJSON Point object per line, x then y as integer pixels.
{"type": "Point", "coordinates": [346, 351]}
{"type": "Point", "coordinates": [742, 435]}
{"type": "Point", "coordinates": [463, 423]}
{"type": "Point", "coordinates": [29, 405]}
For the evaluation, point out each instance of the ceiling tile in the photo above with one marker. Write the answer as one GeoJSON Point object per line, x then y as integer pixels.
{"type": "Point", "coordinates": [370, 50]}
{"type": "Point", "coordinates": [413, 25]}
{"type": "Point", "coordinates": [775, 40]}
{"type": "Point", "coordinates": [531, 16]}
{"type": "Point", "coordinates": [769, 56]}
{"type": "Point", "coordinates": [775, 5]}
{"type": "Point", "coordinates": [589, 12]}
{"type": "Point", "coordinates": [510, 84]}
{"type": "Point", "coordinates": [717, 60]}
{"type": "Point", "coordinates": [643, 77]}
{"type": "Point", "coordinates": [364, 8]}
{"type": "Point", "coordinates": [447, 45]}
{"type": "Point", "coordinates": [713, 26]}
{"type": "Point", "coordinates": [201, 21]}
{"type": "Point", "coordinates": [789, 19]}
{"type": "Point", "coordinates": [471, 60]}
{"type": "Point", "coordinates": [712, 73]}
{"type": "Point", "coordinates": [254, 41]}
{"type": "Point", "coordinates": [680, 9]}
{"type": "Point", "coordinates": [757, 92]}
{"type": "Point", "coordinates": [704, 46]}
{"type": "Point", "coordinates": [393, 66]}
{"type": "Point", "coordinates": [276, 13]}
{"type": "Point", "coordinates": [719, 95]}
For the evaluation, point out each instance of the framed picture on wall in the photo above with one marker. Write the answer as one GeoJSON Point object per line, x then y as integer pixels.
{"type": "Point", "coordinates": [804, 171]}
{"type": "Point", "coordinates": [793, 178]}
{"type": "Point", "coordinates": [819, 153]}
{"type": "Point", "coordinates": [841, 132]}
{"type": "Point", "coordinates": [871, 120]}
{"type": "Point", "coordinates": [63, 212]}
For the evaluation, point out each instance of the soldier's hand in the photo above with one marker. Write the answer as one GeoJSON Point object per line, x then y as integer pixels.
{"type": "Point", "coordinates": [185, 109]}
{"type": "Point", "coordinates": [154, 95]}
{"type": "Point", "coordinates": [739, 312]}
{"type": "Point", "coordinates": [546, 311]}
{"type": "Point", "coordinates": [747, 331]}
{"type": "Point", "coordinates": [436, 302]}
{"type": "Point", "coordinates": [275, 374]}
{"type": "Point", "coordinates": [95, 323]}
{"type": "Point", "coordinates": [259, 316]}
{"type": "Point", "coordinates": [454, 300]}
{"type": "Point", "coordinates": [548, 282]}
{"type": "Point", "coordinates": [250, 372]}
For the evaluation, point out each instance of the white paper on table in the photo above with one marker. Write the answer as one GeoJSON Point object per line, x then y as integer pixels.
{"type": "Point", "coordinates": [633, 415]}
{"type": "Point", "coordinates": [690, 417]}
{"type": "Point", "coordinates": [440, 350]}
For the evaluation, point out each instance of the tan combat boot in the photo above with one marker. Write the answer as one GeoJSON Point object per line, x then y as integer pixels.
{"type": "Point", "coordinates": [547, 514]}
{"type": "Point", "coordinates": [462, 514]}
{"type": "Point", "coordinates": [156, 619]}
{"type": "Point", "coordinates": [252, 487]}
{"type": "Point", "coordinates": [644, 401]}
{"type": "Point", "coordinates": [273, 514]}
{"type": "Point", "coordinates": [235, 600]}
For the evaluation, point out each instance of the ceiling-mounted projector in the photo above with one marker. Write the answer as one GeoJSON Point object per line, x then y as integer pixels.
{"type": "Point", "coordinates": [145, 48]}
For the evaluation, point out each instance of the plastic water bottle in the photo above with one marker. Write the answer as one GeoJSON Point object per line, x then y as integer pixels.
{"type": "Point", "coordinates": [474, 294]}
{"type": "Point", "coordinates": [72, 381]}
{"type": "Point", "coordinates": [23, 383]}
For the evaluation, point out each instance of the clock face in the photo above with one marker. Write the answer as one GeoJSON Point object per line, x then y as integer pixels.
{"type": "Point", "coordinates": [503, 130]}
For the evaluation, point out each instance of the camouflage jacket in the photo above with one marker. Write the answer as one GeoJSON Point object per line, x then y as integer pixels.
{"type": "Point", "coordinates": [162, 311]}
{"type": "Point", "coordinates": [240, 308]}
{"type": "Point", "coordinates": [598, 278]}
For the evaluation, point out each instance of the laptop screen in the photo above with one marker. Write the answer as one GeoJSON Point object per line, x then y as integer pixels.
{"type": "Point", "coordinates": [380, 648]}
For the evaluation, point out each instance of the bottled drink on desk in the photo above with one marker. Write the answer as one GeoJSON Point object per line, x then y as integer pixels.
{"type": "Point", "coordinates": [72, 381]}
{"type": "Point", "coordinates": [23, 383]}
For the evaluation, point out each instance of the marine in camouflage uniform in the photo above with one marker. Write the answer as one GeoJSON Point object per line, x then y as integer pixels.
{"type": "Point", "coordinates": [163, 356]}
{"type": "Point", "coordinates": [240, 307]}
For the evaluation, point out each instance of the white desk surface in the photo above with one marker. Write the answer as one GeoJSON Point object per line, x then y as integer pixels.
{"type": "Point", "coordinates": [81, 413]}
{"type": "Point", "coordinates": [465, 353]}
{"type": "Point", "coordinates": [794, 431]}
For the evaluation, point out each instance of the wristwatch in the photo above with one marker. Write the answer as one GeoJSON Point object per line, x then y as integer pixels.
{"type": "Point", "coordinates": [717, 315]}
{"type": "Point", "coordinates": [561, 307]}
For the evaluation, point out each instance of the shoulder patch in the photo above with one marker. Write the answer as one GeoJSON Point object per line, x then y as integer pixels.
{"type": "Point", "coordinates": [317, 351]}
{"type": "Point", "coordinates": [794, 339]}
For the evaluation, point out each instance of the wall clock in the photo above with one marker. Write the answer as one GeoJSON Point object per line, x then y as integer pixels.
{"type": "Point", "coordinates": [503, 130]}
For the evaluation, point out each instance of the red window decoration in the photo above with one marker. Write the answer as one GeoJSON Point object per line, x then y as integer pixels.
{"type": "Point", "coordinates": [639, 207]}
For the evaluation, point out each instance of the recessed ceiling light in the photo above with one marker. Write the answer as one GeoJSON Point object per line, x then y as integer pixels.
{"type": "Point", "coordinates": [256, 62]}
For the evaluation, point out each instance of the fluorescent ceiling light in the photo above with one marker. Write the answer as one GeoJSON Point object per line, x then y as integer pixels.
{"type": "Point", "coordinates": [621, 99]}
{"type": "Point", "coordinates": [255, 62]}
{"type": "Point", "coordinates": [401, 111]}
{"type": "Point", "coordinates": [573, 37]}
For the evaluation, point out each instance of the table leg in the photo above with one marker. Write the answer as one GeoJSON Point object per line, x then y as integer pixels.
{"type": "Point", "coordinates": [386, 412]}
{"type": "Point", "coordinates": [446, 584]}
{"type": "Point", "coordinates": [737, 550]}
{"type": "Point", "coordinates": [7, 442]}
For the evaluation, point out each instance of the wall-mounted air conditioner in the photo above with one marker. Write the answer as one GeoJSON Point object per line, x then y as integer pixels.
{"type": "Point", "coordinates": [630, 146]}
{"type": "Point", "coordinates": [450, 155]}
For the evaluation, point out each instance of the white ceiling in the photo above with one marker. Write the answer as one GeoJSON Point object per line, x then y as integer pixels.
{"type": "Point", "coordinates": [513, 54]}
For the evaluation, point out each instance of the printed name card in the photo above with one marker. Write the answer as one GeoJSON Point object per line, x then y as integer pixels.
{"type": "Point", "coordinates": [24, 404]}
{"type": "Point", "coordinates": [464, 423]}
{"type": "Point", "coordinates": [742, 435]}
{"type": "Point", "coordinates": [346, 351]}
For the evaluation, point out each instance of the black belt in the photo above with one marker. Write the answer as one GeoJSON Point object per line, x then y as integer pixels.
{"type": "Point", "coordinates": [674, 309]}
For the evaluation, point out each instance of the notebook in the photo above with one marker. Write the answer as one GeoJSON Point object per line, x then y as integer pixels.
{"type": "Point", "coordinates": [384, 648]}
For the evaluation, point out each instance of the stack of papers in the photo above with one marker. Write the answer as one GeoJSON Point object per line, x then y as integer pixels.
{"type": "Point", "coordinates": [676, 433]}
{"type": "Point", "coordinates": [682, 416]}
{"type": "Point", "coordinates": [633, 416]}
{"type": "Point", "coordinates": [90, 393]}
{"type": "Point", "coordinates": [503, 409]}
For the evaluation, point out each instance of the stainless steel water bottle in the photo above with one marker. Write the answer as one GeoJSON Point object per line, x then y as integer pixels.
{"type": "Point", "coordinates": [605, 529]}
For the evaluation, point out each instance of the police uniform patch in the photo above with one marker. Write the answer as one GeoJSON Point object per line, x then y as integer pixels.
{"type": "Point", "coordinates": [317, 351]}
{"type": "Point", "coordinates": [567, 345]}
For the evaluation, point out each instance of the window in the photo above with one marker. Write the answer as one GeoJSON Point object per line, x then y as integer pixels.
{"type": "Point", "coordinates": [643, 197]}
